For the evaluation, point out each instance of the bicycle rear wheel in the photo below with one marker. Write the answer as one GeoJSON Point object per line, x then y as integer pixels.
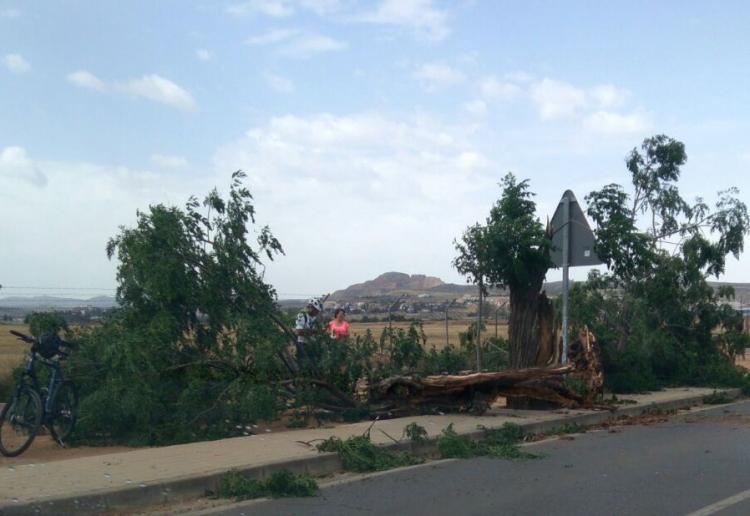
{"type": "Point", "coordinates": [19, 422]}
{"type": "Point", "coordinates": [63, 412]}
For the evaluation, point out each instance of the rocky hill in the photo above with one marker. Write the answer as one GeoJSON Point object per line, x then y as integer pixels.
{"type": "Point", "coordinates": [393, 284]}
{"type": "Point", "coordinates": [390, 283]}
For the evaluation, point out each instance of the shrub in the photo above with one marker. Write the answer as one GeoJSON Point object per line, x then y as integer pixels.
{"type": "Point", "coordinates": [361, 455]}
{"type": "Point", "coordinates": [281, 484]}
{"type": "Point", "coordinates": [41, 323]}
{"type": "Point", "coordinates": [498, 443]}
{"type": "Point", "coordinates": [415, 433]}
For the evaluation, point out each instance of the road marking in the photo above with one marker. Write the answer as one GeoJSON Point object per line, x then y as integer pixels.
{"type": "Point", "coordinates": [721, 504]}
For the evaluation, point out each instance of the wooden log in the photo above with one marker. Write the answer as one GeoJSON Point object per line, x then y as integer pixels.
{"type": "Point", "coordinates": [472, 392]}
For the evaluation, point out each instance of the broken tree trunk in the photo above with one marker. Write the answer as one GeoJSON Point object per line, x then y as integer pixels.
{"type": "Point", "coordinates": [400, 395]}
{"type": "Point", "coordinates": [533, 323]}
{"type": "Point", "coordinates": [475, 392]}
{"type": "Point", "coordinates": [585, 357]}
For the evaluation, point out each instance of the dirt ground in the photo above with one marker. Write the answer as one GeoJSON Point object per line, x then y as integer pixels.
{"type": "Point", "coordinates": [45, 449]}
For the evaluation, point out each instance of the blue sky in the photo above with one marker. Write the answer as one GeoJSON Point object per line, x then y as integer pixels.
{"type": "Point", "coordinates": [373, 132]}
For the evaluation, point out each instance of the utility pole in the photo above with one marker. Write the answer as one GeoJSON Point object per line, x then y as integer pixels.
{"type": "Point", "coordinates": [496, 311]}
{"type": "Point", "coordinates": [447, 338]}
{"type": "Point", "coordinates": [390, 324]}
{"type": "Point", "coordinates": [479, 328]}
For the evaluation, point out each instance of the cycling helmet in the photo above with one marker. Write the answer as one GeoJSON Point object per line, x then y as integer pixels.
{"type": "Point", "coordinates": [315, 303]}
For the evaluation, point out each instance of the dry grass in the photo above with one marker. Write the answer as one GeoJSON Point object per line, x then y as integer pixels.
{"type": "Point", "coordinates": [12, 350]}
{"type": "Point", "coordinates": [434, 330]}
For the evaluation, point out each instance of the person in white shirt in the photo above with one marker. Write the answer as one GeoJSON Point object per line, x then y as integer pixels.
{"type": "Point", "coordinates": [305, 326]}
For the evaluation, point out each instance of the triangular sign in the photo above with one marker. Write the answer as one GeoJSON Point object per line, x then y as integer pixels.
{"type": "Point", "coordinates": [580, 237]}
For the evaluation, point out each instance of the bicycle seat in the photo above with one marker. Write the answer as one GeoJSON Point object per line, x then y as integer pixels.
{"type": "Point", "coordinates": [48, 345]}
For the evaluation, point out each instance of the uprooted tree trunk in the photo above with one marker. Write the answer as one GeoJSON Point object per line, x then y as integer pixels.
{"type": "Point", "coordinates": [474, 392]}
{"type": "Point", "coordinates": [532, 335]}
{"type": "Point", "coordinates": [400, 395]}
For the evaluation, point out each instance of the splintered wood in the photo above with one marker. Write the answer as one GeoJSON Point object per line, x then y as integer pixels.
{"type": "Point", "coordinates": [474, 392]}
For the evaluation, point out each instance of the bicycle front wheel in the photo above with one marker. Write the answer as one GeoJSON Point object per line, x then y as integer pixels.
{"type": "Point", "coordinates": [63, 412]}
{"type": "Point", "coordinates": [19, 422]}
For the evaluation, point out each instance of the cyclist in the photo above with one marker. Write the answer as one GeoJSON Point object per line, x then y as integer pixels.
{"type": "Point", "coordinates": [306, 326]}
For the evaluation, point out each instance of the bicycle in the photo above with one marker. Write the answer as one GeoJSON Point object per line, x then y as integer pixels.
{"type": "Point", "coordinates": [32, 405]}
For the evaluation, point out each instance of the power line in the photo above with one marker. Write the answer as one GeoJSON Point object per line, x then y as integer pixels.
{"type": "Point", "coordinates": [9, 287]}
{"type": "Point", "coordinates": [110, 289]}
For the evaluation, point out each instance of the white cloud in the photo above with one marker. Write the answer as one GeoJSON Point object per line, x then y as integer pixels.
{"type": "Point", "coordinates": [495, 89]}
{"type": "Point", "coordinates": [15, 162]}
{"type": "Point", "coordinates": [557, 99]}
{"type": "Point", "coordinates": [86, 79]}
{"type": "Point", "coordinates": [436, 75]}
{"type": "Point", "coordinates": [168, 161]}
{"type": "Point", "coordinates": [16, 64]}
{"type": "Point", "coordinates": [278, 83]}
{"type": "Point", "coordinates": [607, 96]}
{"type": "Point", "coordinates": [157, 88]}
{"type": "Point", "coordinates": [295, 43]}
{"type": "Point", "coordinates": [284, 8]}
{"type": "Point", "coordinates": [476, 107]}
{"type": "Point", "coordinates": [609, 123]}
{"type": "Point", "coordinates": [273, 8]}
{"type": "Point", "coordinates": [272, 37]}
{"type": "Point", "coordinates": [152, 87]}
{"type": "Point", "coordinates": [82, 206]}
{"type": "Point", "coordinates": [321, 7]}
{"type": "Point", "coordinates": [359, 176]}
{"type": "Point", "coordinates": [308, 45]}
{"type": "Point", "coordinates": [421, 16]}
{"type": "Point", "coordinates": [202, 54]}
{"type": "Point", "coordinates": [518, 76]}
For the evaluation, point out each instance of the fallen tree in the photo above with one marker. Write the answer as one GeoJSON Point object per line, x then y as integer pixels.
{"type": "Point", "coordinates": [472, 392]}
{"type": "Point", "coordinates": [403, 394]}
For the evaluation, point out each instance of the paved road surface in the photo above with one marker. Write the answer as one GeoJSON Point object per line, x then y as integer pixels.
{"type": "Point", "coordinates": [674, 468]}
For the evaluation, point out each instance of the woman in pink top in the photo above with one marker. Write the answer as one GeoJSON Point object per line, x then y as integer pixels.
{"type": "Point", "coordinates": [338, 327]}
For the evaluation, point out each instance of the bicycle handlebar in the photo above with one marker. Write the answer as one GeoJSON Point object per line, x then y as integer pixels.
{"type": "Point", "coordinates": [32, 340]}
{"type": "Point", "coordinates": [22, 336]}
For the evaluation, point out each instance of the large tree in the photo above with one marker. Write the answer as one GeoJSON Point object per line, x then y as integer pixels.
{"type": "Point", "coordinates": [193, 350]}
{"type": "Point", "coordinates": [654, 312]}
{"type": "Point", "coordinates": [512, 250]}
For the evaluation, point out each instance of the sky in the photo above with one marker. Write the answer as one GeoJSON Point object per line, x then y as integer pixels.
{"type": "Point", "coordinates": [372, 133]}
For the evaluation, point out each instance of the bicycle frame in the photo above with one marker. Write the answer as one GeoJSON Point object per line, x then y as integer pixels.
{"type": "Point", "coordinates": [54, 381]}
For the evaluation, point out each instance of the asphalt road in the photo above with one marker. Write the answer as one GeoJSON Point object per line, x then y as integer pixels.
{"type": "Point", "coordinates": [699, 461]}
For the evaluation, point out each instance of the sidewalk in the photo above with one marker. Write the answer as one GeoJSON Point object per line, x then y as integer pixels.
{"type": "Point", "coordinates": [173, 473]}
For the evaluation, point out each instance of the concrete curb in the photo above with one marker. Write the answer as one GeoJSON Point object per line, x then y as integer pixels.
{"type": "Point", "coordinates": [182, 489]}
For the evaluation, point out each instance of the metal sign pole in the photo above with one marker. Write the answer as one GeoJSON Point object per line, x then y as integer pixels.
{"type": "Point", "coordinates": [573, 245]}
{"type": "Point", "coordinates": [479, 329]}
{"type": "Point", "coordinates": [565, 265]}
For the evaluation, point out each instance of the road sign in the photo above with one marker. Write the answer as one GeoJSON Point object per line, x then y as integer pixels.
{"type": "Point", "coordinates": [573, 245]}
{"type": "Point", "coordinates": [580, 237]}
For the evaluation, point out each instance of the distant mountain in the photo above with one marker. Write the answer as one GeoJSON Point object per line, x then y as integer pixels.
{"type": "Point", "coordinates": [47, 302]}
{"type": "Point", "coordinates": [392, 284]}
{"type": "Point", "coordinates": [389, 283]}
